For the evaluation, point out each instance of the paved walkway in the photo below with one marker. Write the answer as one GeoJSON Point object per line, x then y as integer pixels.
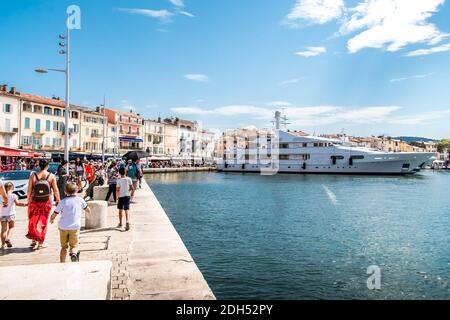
{"type": "Point", "coordinates": [149, 262]}
{"type": "Point", "coordinates": [107, 244]}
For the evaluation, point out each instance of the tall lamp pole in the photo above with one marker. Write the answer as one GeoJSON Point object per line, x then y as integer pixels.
{"type": "Point", "coordinates": [103, 135]}
{"type": "Point", "coordinates": [65, 51]}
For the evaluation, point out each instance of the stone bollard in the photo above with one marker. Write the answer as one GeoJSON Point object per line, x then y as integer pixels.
{"type": "Point", "coordinates": [98, 219]}
{"type": "Point", "coordinates": [100, 192]}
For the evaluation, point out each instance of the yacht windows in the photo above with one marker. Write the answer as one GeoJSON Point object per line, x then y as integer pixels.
{"type": "Point", "coordinates": [284, 146]}
{"type": "Point", "coordinates": [284, 157]}
{"type": "Point", "coordinates": [334, 159]}
{"type": "Point", "coordinates": [350, 160]}
{"type": "Point", "coordinates": [300, 157]}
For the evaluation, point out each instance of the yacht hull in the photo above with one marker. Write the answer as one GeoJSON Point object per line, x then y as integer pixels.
{"type": "Point", "coordinates": [386, 164]}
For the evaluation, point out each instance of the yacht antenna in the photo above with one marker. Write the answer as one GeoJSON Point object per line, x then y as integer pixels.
{"type": "Point", "coordinates": [284, 119]}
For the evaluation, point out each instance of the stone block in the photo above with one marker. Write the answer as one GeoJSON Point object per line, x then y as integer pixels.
{"type": "Point", "coordinates": [98, 218]}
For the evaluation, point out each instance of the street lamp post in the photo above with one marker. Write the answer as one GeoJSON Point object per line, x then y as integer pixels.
{"type": "Point", "coordinates": [65, 51]}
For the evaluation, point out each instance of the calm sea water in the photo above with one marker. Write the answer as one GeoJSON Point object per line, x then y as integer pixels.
{"type": "Point", "coordinates": [313, 236]}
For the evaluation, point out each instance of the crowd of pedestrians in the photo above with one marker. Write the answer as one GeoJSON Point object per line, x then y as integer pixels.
{"type": "Point", "coordinates": [68, 190]}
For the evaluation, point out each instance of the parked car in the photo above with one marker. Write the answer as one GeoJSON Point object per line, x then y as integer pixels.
{"type": "Point", "coordinates": [20, 180]}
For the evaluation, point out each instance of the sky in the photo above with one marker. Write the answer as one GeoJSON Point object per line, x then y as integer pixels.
{"type": "Point", "coordinates": [363, 67]}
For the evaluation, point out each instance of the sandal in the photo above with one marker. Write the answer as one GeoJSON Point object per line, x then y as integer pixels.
{"type": "Point", "coordinates": [8, 244]}
{"type": "Point", "coordinates": [127, 226]}
{"type": "Point", "coordinates": [33, 244]}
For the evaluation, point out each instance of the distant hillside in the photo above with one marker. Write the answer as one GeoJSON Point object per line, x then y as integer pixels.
{"type": "Point", "coordinates": [412, 139]}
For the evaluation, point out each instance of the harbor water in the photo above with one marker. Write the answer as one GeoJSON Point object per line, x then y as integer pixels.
{"type": "Point", "coordinates": [313, 236]}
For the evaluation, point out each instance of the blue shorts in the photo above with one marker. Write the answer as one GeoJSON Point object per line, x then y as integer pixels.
{"type": "Point", "coordinates": [124, 203]}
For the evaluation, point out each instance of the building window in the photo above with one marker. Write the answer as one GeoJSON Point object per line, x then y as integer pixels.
{"type": "Point", "coordinates": [57, 112]}
{"type": "Point", "coordinates": [27, 107]}
{"type": "Point", "coordinates": [37, 109]}
{"type": "Point", "coordinates": [57, 142]}
{"type": "Point", "coordinates": [7, 140]}
{"type": "Point", "coordinates": [38, 125]}
{"type": "Point", "coordinates": [74, 143]}
{"type": "Point", "coordinates": [27, 123]}
{"type": "Point", "coordinates": [7, 108]}
{"type": "Point", "coordinates": [48, 111]}
{"type": "Point", "coordinates": [76, 128]}
{"type": "Point", "coordinates": [26, 140]}
{"type": "Point", "coordinates": [86, 131]}
{"type": "Point", "coordinates": [47, 141]}
{"type": "Point", "coordinates": [37, 143]}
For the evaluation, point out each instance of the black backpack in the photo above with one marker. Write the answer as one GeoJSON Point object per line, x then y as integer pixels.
{"type": "Point", "coordinates": [41, 190]}
{"type": "Point", "coordinates": [100, 181]}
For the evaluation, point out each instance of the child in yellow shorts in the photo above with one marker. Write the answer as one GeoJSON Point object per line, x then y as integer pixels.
{"type": "Point", "coordinates": [70, 209]}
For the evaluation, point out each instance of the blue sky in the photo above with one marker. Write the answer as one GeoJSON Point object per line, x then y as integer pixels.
{"type": "Point", "coordinates": [365, 66]}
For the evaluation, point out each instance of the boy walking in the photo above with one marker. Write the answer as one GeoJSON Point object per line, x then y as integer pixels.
{"type": "Point", "coordinates": [124, 186]}
{"type": "Point", "coordinates": [70, 209]}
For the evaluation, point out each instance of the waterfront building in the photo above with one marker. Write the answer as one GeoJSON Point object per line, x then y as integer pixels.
{"type": "Point", "coordinates": [171, 141]}
{"type": "Point", "coordinates": [112, 138]}
{"type": "Point", "coordinates": [42, 124]}
{"type": "Point", "coordinates": [92, 130]}
{"type": "Point", "coordinates": [207, 139]}
{"type": "Point", "coordinates": [9, 117]}
{"type": "Point", "coordinates": [188, 138]}
{"type": "Point", "coordinates": [130, 129]}
{"type": "Point", "coordinates": [154, 137]}
{"type": "Point", "coordinates": [425, 146]}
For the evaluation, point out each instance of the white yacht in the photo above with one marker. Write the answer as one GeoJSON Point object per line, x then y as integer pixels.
{"type": "Point", "coordinates": [285, 152]}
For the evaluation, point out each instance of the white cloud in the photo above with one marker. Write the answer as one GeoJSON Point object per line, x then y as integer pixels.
{"type": "Point", "coordinates": [312, 52]}
{"type": "Point", "coordinates": [323, 115]}
{"type": "Point", "coordinates": [424, 52]}
{"type": "Point", "coordinates": [197, 77]}
{"type": "Point", "coordinates": [392, 24]}
{"type": "Point", "coordinates": [290, 81]}
{"type": "Point", "coordinates": [304, 116]}
{"type": "Point", "coordinates": [188, 14]}
{"type": "Point", "coordinates": [232, 110]}
{"type": "Point", "coordinates": [279, 104]}
{"type": "Point", "coordinates": [177, 3]}
{"type": "Point", "coordinates": [419, 76]}
{"type": "Point", "coordinates": [163, 15]}
{"type": "Point", "coordinates": [314, 11]}
{"type": "Point", "coordinates": [420, 119]}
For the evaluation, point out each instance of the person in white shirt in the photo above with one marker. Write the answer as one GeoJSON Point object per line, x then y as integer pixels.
{"type": "Point", "coordinates": [70, 209]}
{"type": "Point", "coordinates": [8, 215]}
{"type": "Point", "coordinates": [125, 189]}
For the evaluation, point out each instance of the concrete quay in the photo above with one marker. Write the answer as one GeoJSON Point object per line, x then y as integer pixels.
{"type": "Point", "coordinates": [186, 169]}
{"type": "Point", "coordinates": [149, 262]}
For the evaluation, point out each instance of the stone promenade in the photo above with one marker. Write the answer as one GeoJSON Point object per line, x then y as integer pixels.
{"type": "Point", "coordinates": [149, 262]}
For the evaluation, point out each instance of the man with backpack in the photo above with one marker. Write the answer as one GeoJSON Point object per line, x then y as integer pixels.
{"type": "Point", "coordinates": [133, 173]}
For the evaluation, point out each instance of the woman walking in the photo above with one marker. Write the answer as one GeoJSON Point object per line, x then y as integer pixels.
{"type": "Point", "coordinates": [42, 187]}
{"type": "Point", "coordinates": [63, 176]}
{"type": "Point", "coordinates": [79, 172]}
{"type": "Point", "coordinates": [113, 174]}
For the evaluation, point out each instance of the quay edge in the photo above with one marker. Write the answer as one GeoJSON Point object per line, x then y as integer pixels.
{"type": "Point", "coordinates": [159, 264]}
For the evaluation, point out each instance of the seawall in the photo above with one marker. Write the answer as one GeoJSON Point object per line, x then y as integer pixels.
{"type": "Point", "coordinates": [159, 264]}
{"type": "Point", "coordinates": [169, 170]}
